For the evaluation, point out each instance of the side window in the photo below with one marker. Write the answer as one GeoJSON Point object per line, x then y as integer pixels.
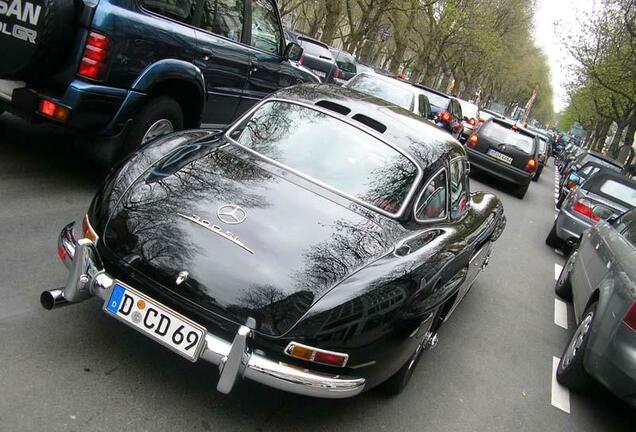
{"type": "Point", "coordinates": [266, 34]}
{"type": "Point", "coordinates": [630, 234]}
{"type": "Point", "coordinates": [223, 17]}
{"type": "Point", "coordinates": [458, 110]}
{"type": "Point", "coordinates": [431, 204]}
{"type": "Point", "coordinates": [458, 188]}
{"type": "Point", "coordinates": [423, 106]}
{"type": "Point", "coordinates": [180, 10]}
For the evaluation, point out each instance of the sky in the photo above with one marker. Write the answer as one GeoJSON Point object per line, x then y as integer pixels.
{"type": "Point", "coordinates": [554, 18]}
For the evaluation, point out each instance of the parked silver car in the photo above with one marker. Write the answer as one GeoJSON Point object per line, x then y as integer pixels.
{"type": "Point", "coordinates": [600, 279]}
{"type": "Point", "coordinates": [603, 195]}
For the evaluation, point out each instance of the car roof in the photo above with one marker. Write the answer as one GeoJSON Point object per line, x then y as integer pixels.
{"type": "Point", "coordinates": [437, 92]}
{"type": "Point", "coordinates": [313, 41]}
{"type": "Point", "coordinates": [601, 156]}
{"type": "Point", "coordinates": [425, 143]}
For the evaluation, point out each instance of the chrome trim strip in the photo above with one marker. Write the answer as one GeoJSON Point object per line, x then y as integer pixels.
{"type": "Point", "coordinates": [350, 122]}
{"type": "Point", "coordinates": [217, 230]}
{"type": "Point", "coordinates": [443, 219]}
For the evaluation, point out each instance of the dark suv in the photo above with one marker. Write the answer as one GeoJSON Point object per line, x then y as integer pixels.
{"type": "Point", "coordinates": [125, 71]}
{"type": "Point", "coordinates": [447, 111]}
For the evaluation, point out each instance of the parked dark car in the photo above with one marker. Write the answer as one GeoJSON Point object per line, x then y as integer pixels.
{"type": "Point", "coordinates": [577, 158]}
{"type": "Point", "coordinates": [506, 151]}
{"type": "Point", "coordinates": [602, 196]}
{"type": "Point", "coordinates": [346, 63]}
{"type": "Point", "coordinates": [579, 174]}
{"type": "Point", "coordinates": [356, 253]}
{"type": "Point", "coordinates": [400, 93]}
{"type": "Point", "coordinates": [122, 72]}
{"type": "Point", "coordinates": [470, 118]}
{"type": "Point", "coordinates": [317, 57]}
{"type": "Point", "coordinates": [599, 277]}
{"type": "Point", "coordinates": [447, 110]}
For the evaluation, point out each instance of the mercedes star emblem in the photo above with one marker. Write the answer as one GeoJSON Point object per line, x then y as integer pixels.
{"type": "Point", "coordinates": [231, 214]}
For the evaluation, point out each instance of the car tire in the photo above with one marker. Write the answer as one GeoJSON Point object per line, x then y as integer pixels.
{"type": "Point", "coordinates": [520, 191]}
{"type": "Point", "coordinates": [160, 116]}
{"type": "Point", "coordinates": [398, 382]}
{"type": "Point", "coordinates": [552, 239]}
{"type": "Point", "coordinates": [560, 200]}
{"type": "Point", "coordinates": [571, 370]}
{"type": "Point", "coordinates": [537, 174]}
{"type": "Point", "coordinates": [563, 286]}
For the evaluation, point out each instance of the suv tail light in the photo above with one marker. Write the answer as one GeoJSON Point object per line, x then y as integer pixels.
{"type": "Point", "coordinates": [445, 116]}
{"type": "Point", "coordinates": [301, 60]}
{"type": "Point", "coordinates": [472, 141]}
{"type": "Point", "coordinates": [531, 165]}
{"type": "Point", "coordinates": [472, 121]}
{"type": "Point", "coordinates": [95, 58]}
{"type": "Point", "coordinates": [336, 73]}
{"type": "Point", "coordinates": [52, 110]}
{"type": "Point", "coordinates": [630, 317]}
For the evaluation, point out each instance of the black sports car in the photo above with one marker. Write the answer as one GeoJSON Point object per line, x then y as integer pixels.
{"type": "Point", "coordinates": [315, 246]}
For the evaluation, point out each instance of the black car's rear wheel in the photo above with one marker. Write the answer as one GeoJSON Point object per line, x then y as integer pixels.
{"type": "Point", "coordinates": [563, 286]}
{"type": "Point", "coordinates": [571, 371]}
{"type": "Point", "coordinates": [398, 382]}
{"type": "Point", "coordinates": [538, 173]}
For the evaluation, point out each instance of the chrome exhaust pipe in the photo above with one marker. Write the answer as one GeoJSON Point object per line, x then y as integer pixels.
{"type": "Point", "coordinates": [53, 299]}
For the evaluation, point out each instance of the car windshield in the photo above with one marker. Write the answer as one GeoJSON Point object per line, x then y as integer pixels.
{"type": "Point", "coordinates": [437, 100]}
{"type": "Point", "coordinates": [619, 191]}
{"type": "Point", "coordinates": [315, 49]}
{"type": "Point", "coordinates": [345, 61]}
{"type": "Point", "coordinates": [394, 93]}
{"type": "Point", "coordinates": [469, 110]}
{"type": "Point", "coordinates": [329, 151]}
{"type": "Point", "coordinates": [509, 136]}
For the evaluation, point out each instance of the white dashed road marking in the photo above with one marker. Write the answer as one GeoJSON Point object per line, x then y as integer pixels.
{"type": "Point", "coordinates": [560, 313]}
{"type": "Point", "coordinates": [560, 394]}
{"type": "Point", "coordinates": [557, 271]}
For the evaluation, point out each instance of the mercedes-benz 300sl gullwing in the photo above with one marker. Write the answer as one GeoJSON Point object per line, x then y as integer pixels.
{"type": "Point", "coordinates": [314, 246]}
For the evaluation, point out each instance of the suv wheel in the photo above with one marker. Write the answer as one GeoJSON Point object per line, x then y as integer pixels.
{"type": "Point", "coordinates": [571, 371]}
{"type": "Point", "coordinates": [160, 116]}
{"type": "Point", "coordinates": [520, 191]}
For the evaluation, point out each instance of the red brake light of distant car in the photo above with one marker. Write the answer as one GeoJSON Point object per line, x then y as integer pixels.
{"type": "Point", "coordinates": [316, 355]}
{"type": "Point", "coordinates": [472, 121]}
{"type": "Point", "coordinates": [88, 230]}
{"type": "Point", "coordinates": [570, 184]}
{"type": "Point", "coordinates": [472, 141]}
{"type": "Point", "coordinates": [301, 60]}
{"type": "Point", "coordinates": [96, 56]}
{"type": "Point", "coordinates": [584, 207]}
{"type": "Point", "coordinates": [531, 165]}
{"type": "Point", "coordinates": [52, 110]}
{"type": "Point", "coordinates": [630, 317]}
{"type": "Point", "coordinates": [336, 73]}
{"type": "Point", "coordinates": [445, 116]}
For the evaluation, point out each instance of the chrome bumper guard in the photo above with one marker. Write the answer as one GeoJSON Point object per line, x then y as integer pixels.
{"type": "Point", "coordinates": [235, 359]}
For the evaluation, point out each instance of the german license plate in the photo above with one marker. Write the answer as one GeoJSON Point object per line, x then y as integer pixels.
{"type": "Point", "coordinates": [499, 156]}
{"type": "Point", "coordinates": [321, 74]}
{"type": "Point", "coordinates": [155, 320]}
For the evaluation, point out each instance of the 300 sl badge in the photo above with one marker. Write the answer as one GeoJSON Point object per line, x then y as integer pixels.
{"type": "Point", "coordinates": [216, 229]}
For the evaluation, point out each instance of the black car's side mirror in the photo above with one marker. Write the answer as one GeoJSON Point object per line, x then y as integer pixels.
{"type": "Point", "coordinates": [293, 51]}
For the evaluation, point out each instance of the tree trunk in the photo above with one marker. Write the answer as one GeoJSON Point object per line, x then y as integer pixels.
{"type": "Point", "coordinates": [613, 147]}
{"type": "Point", "coordinates": [330, 28]}
{"type": "Point", "coordinates": [631, 130]}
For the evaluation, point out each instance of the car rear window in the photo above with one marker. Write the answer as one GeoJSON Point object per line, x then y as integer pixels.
{"type": "Point", "coordinates": [503, 134]}
{"type": "Point", "coordinates": [384, 89]}
{"type": "Point", "coordinates": [331, 152]}
{"type": "Point", "coordinates": [619, 191]}
{"type": "Point", "coordinates": [592, 158]}
{"type": "Point", "coordinates": [315, 49]}
{"type": "Point", "coordinates": [437, 100]}
{"type": "Point", "coordinates": [469, 110]}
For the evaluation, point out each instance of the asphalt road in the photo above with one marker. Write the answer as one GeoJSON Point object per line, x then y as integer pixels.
{"type": "Point", "coordinates": [76, 369]}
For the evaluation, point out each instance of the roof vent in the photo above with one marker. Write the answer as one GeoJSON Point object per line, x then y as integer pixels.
{"type": "Point", "coordinates": [332, 106]}
{"type": "Point", "coordinates": [373, 124]}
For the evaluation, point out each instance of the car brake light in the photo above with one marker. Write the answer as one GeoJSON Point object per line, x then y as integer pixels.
{"type": "Point", "coordinates": [531, 165]}
{"type": "Point", "coordinates": [301, 60]}
{"type": "Point", "coordinates": [445, 116]}
{"type": "Point", "coordinates": [336, 73]}
{"type": "Point", "coordinates": [52, 110]}
{"type": "Point", "coordinates": [584, 207]}
{"type": "Point", "coordinates": [472, 141]}
{"type": "Point", "coordinates": [95, 57]}
{"type": "Point", "coordinates": [316, 355]}
{"type": "Point", "coordinates": [472, 121]}
{"type": "Point", "coordinates": [630, 317]}
{"type": "Point", "coordinates": [571, 184]}
{"type": "Point", "coordinates": [88, 230]}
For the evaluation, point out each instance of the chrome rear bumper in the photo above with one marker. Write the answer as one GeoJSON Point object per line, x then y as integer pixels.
{"type": "Point", "coordinates": [235, 359]}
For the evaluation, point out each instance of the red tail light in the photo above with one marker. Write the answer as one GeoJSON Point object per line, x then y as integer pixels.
{"type": "Point", "coordinates": [445, 116]}
{"type": "Point", "coordinates": [472, 121]}
{"type": "Point", "coordinates": [472, 141]}
{"type": "Point", "coordinates": [301, 60]}
{"type": "Point", "coordinates": [570, 184]}
{"type": "Point", "coordinates": [96, 56]}
{"type": "Point", "coordinates": [584, 208]}
{"type": "Point", "coordinates": [52, 110]}
{"type": "Point", "coordinates": [336, 73]}
{"type": "Point", "coordinates": [630, 317]}
{"type": "Point", "coordinates": [531, 165]}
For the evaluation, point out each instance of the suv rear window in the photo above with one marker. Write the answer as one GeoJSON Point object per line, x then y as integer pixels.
{"type": "Point", "coordinates": [507, 135]}
{"type": "Point", "coordinates": [437, 100]}
{"type": "Point", "coordinates": [383, 89]}
{"type": "Point", "coordinates": [469, 110]}
{"type": "Point", "coordinates": [315, 49]}
{"type": "Point", "coordinates": [330, 151]}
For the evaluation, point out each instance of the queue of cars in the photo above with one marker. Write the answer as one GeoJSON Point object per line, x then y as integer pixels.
{"type": "Point", "coordinates": [596, 225]}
